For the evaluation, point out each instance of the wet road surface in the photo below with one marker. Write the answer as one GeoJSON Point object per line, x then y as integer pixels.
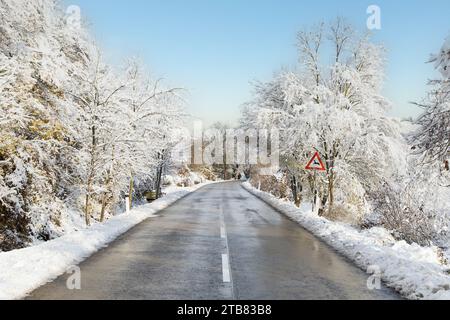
{"type": "Point", "coordinates": [220, 242]}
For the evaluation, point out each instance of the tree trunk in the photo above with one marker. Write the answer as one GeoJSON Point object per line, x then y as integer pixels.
{"type": "Point", "coordinates": [331, 192]}
{"type": "Point", "coordinates": [104, 205]}
{"type": "Point", "coordinates": [323, 202]}
{"type": "Point", "coordinates": [298, 200]}
{"type": "Point", "coordinates": [316, 204]}
{"type": "Point", "coordinates": [159, 182]}
{"type": "Point", "coordinates": [87, 211]}
{"type": "Point", "coordinates": [131, 191]}
{"type": "Point", "coordinates": [90, 179]}
{"type": "Point", "coordinates": [296, 192]}
{"type": "Point", "coordinates": [109, 188]}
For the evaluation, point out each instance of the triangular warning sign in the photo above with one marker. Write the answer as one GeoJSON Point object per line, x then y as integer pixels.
{"type": "Point", "coordinates": [316, 163]}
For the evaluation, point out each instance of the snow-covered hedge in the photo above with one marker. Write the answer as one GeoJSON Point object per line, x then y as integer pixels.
{"type": "Point", "coordinates": [415, 272]}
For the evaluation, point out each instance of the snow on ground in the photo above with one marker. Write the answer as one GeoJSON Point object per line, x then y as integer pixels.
{"type": "Point", "coordinates": [414, 271]}
{"type": "Point", "coordinates": [22, 271]}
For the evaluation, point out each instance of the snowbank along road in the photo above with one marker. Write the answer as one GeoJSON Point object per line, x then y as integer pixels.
{"type": "Point", "coordinates": [221, 242]}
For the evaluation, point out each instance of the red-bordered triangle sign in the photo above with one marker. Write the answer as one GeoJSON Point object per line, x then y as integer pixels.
{"type": "Point", "coordinates": [316, 163]}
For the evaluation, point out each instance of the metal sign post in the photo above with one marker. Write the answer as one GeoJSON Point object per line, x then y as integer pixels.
{"type": "Point", "coordinates": [317, 165]}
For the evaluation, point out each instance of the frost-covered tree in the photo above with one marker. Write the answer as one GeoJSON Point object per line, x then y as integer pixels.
{"type": "Point", "coordinates": [433, 139]}
{"type": "Point", "coordinates": [98, 95]}
{"type": "Point", "coordinates": [36, 146]}
{"type": "Point", "coordinates": [74, 130]}
{"type": "Point", "coordinates": [154, 113]}
{"type": "Point", "coordinates": [418, 209]}
{"type": "Point", "coordinates": [335, 108]}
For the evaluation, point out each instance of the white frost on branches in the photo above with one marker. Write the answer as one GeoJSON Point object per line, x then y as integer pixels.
{"type": "Point", "coordinates": [433, 139]}
{"type": "Point", "coordinates": [336, 109]}
{"type": "Point", "coordinates": [332, 104]}
{"type": "Point", "coordinates": [76, 134]}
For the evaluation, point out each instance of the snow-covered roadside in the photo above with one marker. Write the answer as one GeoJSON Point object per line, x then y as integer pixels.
{"type": "Point", "coordinates": [413, 271]}
{"type": "Point", "coordinates": [24, 270]}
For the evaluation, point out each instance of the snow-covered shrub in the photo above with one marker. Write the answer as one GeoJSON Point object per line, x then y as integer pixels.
{"type": "Point", "coordinates": [276, 185]}
{"type": "Point", "coordinates": [208, 173]}
{"type": "Point", "coordinates": [351, 206]}
{"type": "Point", "coordinates": [186, 177]}
{"type": "Point", "coordinates": [409, 213]}
{"type": "Point", "coordinates": [169, 180]}
{"type": "Point", "coordinates": [342, 212]}
{"type": "Point", "coordinates": [183, 177]}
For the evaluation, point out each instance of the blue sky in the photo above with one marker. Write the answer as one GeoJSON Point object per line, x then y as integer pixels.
{"type": "Point", "coordinates": [216, 48]}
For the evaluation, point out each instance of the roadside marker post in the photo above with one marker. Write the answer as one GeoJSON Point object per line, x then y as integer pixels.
{"type": "Point", "coordinates": [127, 205]}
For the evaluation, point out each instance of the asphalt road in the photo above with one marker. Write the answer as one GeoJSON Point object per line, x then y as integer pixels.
{"type": "Point", "coordinates": [219, 243]}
